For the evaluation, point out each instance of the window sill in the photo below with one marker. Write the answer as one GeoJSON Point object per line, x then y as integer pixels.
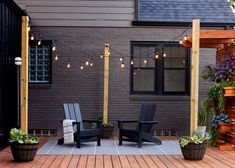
{"type": "Point", "coordinates": [145, 97]}
{"type": "Point", "coordinates": [39, 86]}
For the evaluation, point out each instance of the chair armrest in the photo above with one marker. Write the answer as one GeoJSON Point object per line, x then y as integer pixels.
{"type": "Point", "coordinates": [78, 126]}
{"type": "Point", "coordinates": [121, 122]}
{"type": "Point", "coordinates": [99, 123]}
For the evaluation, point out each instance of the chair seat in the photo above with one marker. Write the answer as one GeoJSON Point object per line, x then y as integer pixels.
{"type": "Point", "coordinates": [89, 132]}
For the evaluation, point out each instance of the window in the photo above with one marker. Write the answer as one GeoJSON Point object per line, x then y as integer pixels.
{"type": "Point", "coordinates": [40, 62]}
{"type": "Point", "coordinates": [168, 73]}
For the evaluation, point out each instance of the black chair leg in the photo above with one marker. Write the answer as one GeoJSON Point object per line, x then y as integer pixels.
{"type": "Point", "coordinates": [60, 141]}
{"type": "Point", "coordinates": [98, 140]}
{"type": "Point", "coordinates": [78, 142]}
{"type": "Point", "coordinates": [120, 140]}
{"type": "Point", "coordinates": [140, 143]}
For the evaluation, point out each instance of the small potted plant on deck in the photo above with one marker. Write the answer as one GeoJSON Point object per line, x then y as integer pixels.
{"type": "Point", "coordinates": [106, 129]}
{"type": "Point", "coordinates": [23, 146]}
{"type": "Point", "coordinates": [194, 147]}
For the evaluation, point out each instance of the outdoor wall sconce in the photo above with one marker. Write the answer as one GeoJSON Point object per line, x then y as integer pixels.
{"type": "Point", "coordinates": [18, 61]}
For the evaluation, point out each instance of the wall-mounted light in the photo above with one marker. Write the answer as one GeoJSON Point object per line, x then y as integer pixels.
{"type": "Point", "coordinates": [18, 61]}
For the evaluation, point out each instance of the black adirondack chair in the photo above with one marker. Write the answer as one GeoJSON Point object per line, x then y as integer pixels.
{"type": "Point", "coordinates": [72, 112]}
{"type": "Point", "coordinates": [144, 127]}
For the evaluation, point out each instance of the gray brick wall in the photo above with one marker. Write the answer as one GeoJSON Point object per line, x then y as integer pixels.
{"type": "Point", "coordinates": [72, 85]}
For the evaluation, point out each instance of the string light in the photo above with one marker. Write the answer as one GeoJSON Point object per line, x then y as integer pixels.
{"type": "Point", "coordinates": [156, 55]}
{"type": "Point", "coordinates": [185, 37]}
{"type": "Point", "coordinates": [39, 42]}
{"type": "Point", "coordinates": [122, 65]}
{"type": "Point", "coordinates": [164, 54]}
{"type": "Point", "coordinates": [108, 53]}
{"type": "Point", "coordinates": [87, 62]}
{"type": "Point", "coordinates": [81, 67]}
{"type": "Point", "coordinates": [32, 37]}
{"type": "Point", "coordinates": [101, 56]}
{"type": "Point", "coordinates": [181, 41]}
{"type": "Point", "coordinates": [132, 62]}
{"type": "Point", "coordinates": [53, 48]}
{"type": "Point", "coordinates": [68, 65]}
{"type": "Point", "coordinates": [28, 29]}
{"type": "Point", "coordinates": [121, 59]}
{"type": "Point", "coordinates": [145, 61]}
{"type": "Point", "coordinates": [91, 64]}
{"type": "Point", "coordinates": [56, 57]}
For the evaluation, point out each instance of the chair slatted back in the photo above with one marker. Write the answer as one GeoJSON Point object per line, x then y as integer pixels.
{"type": "Point", "coordinates": [147, 113]}
{"type": "Point", "coordinates": [72, 112]}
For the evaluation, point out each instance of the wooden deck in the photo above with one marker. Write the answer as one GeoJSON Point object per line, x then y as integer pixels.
{"type": "Point", "coordinates": [213, 158]}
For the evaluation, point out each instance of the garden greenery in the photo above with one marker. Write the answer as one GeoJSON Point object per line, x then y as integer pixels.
{"type": "Point", "coordinates": [19, 137]}
{"type": "Point", "coordinates": [196, 138]}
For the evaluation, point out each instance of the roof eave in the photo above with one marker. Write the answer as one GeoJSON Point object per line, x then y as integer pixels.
{"type": "Point", "coordinates": [203, 24]}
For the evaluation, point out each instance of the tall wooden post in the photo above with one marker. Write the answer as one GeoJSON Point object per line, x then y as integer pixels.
{"type": "Point", "coordinates": [24, 74]}
{"type": "Point", "coordinates": [106, 83]}
{"type": "Point", "coordinates": [195, 75]}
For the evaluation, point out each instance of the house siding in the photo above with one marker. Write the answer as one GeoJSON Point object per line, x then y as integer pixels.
{"type": "Point", "coordinates": [103, 13]}
{"type": "Point", "coordinates": [72, 85]}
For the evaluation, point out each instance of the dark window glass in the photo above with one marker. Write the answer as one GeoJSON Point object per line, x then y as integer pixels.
{"type": "Point", "coordinates": [40, 62]}
{"type": "Point", "coordinates": [168, 73]}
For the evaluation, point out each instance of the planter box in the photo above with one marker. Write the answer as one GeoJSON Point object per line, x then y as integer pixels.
{"type": "Point", "coordinates": [23, 152]}
{"type": "Point", "coordinates": [224, 127]}
{"type": "Point", "coordinates": [194, 151]}
{"type": "Point", "coordinates": [229, 91]}
{"type": "Point", "coordinates": [107, 132]}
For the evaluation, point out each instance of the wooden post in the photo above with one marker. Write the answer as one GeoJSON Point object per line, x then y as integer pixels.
{"type": "Point", "coordinates": [195, 75]}
{"type": "Point", "coordinates": [106, 83]}
{"type": "Point", "coordinates": [24, 74]}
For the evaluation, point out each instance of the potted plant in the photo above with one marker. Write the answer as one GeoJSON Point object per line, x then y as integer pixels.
{"type": "Point", "coordinates": [194, 147]}
{"type": "Point", "coordinates": [106, 129]}
{"type": "Point", "coordinates": [218, 121]}
{"type": "Point", "coordinates": [23, 146]}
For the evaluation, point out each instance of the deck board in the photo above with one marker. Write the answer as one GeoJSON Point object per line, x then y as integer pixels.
{"type": "Point", "coordinates": [213, 158]}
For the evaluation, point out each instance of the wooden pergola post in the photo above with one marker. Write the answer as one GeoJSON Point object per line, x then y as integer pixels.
{"type": "Point", "coordinates": [24, 75]}
{"type": "Point", "coordinates": [106, 84]}
{"type": "Point", "coordinates": [195, 75]}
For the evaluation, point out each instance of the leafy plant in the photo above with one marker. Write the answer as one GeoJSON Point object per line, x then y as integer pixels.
{"type": "Point", "coordinates": [100, 118]}
{"type": "Point", "coordinates": [203, 114]}
{"type": "Point", "coordinates": [22, 138]}
{"type": "Point", "coordinates": [216, 119]}
{"type": "Point", "coordinates": [196, 138]}
{"type": "Point", "coordinates": [221, 71]}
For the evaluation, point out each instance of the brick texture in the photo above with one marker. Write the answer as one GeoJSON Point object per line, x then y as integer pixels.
{"type": "Point", "coordinates": [72, 85]}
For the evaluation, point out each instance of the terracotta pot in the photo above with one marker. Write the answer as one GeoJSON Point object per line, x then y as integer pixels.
{"type": "Point", "coordinates": [224, 127]}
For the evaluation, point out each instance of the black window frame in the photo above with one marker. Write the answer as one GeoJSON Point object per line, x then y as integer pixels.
{"type": "Point", "coordinates": [43, 42]}
{"type": "Point", "coordinates": [159, 70]}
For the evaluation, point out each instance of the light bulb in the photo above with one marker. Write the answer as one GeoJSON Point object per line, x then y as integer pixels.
{"type": "Point", "coordinates": [122, 65]}
{"type": "Point", "coordinates": [68, 65]}
{"type": "Point", "coordinates": [101, 56]}
{"type": "Point", "coordinates": [91, 64]}
{"type": "Point", "coordinates": [39, 42]}
{"type": "Point", "coordinates": [56, 57]}
{"type": "Point", "coordinates": [164, 55]}
{"type": "Point", "coordinates": [121, 59]}
{"type": "Point", "coordinates": [185, 37]}
{"type": "Point", "coordinates": [132, 62]}
{"type": "Point", "coordinates": [53, 48]}
{"type": "Point", "coordinates": [108, 53]}
{"type": "Point", "coordinates": [156, 56]}
{"type": "Point", "coordinates": [145, 61]}
{"type": "Point", "coordinates": [32, 37]}
{"type": "Point", "coordinates": [87, 62]}
{"type": "Point", "coordinates": [28, 29]}
{"type": "Point", "coordinates": [81, 67]}
{"type": "Point", "coordinates": [181, 42]}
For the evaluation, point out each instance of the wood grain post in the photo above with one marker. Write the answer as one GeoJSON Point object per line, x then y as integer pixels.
{"type": "Point", "coordinates": [195, 75]}
{"type": "Point", "coordinates": [106, 84]}
{"type": "Point", "coordinates": [24, 75]}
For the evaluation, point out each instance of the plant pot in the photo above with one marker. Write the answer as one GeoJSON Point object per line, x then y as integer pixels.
{"type": "Point", "coordinates": [229, 91]}
{"type": "Point", "coordinates": [107, 132]}
{"type": "Point", "coordinates": [224, 127]}
{"type": "Point", "coordinates": [194, 151]}
{"type": "Point", "coordinates": [23, 152]}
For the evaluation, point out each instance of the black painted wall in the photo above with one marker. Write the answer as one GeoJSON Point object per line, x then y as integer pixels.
{"type": "Point", "coordinates": [73, 85]}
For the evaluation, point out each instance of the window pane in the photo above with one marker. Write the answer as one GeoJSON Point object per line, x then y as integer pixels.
{"type": "Point", "coordinates": [174, 80]}
{"type": "Point", "coordinates": [176, 57]}
{"type": "Point", "coordinates": [143, 80]}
